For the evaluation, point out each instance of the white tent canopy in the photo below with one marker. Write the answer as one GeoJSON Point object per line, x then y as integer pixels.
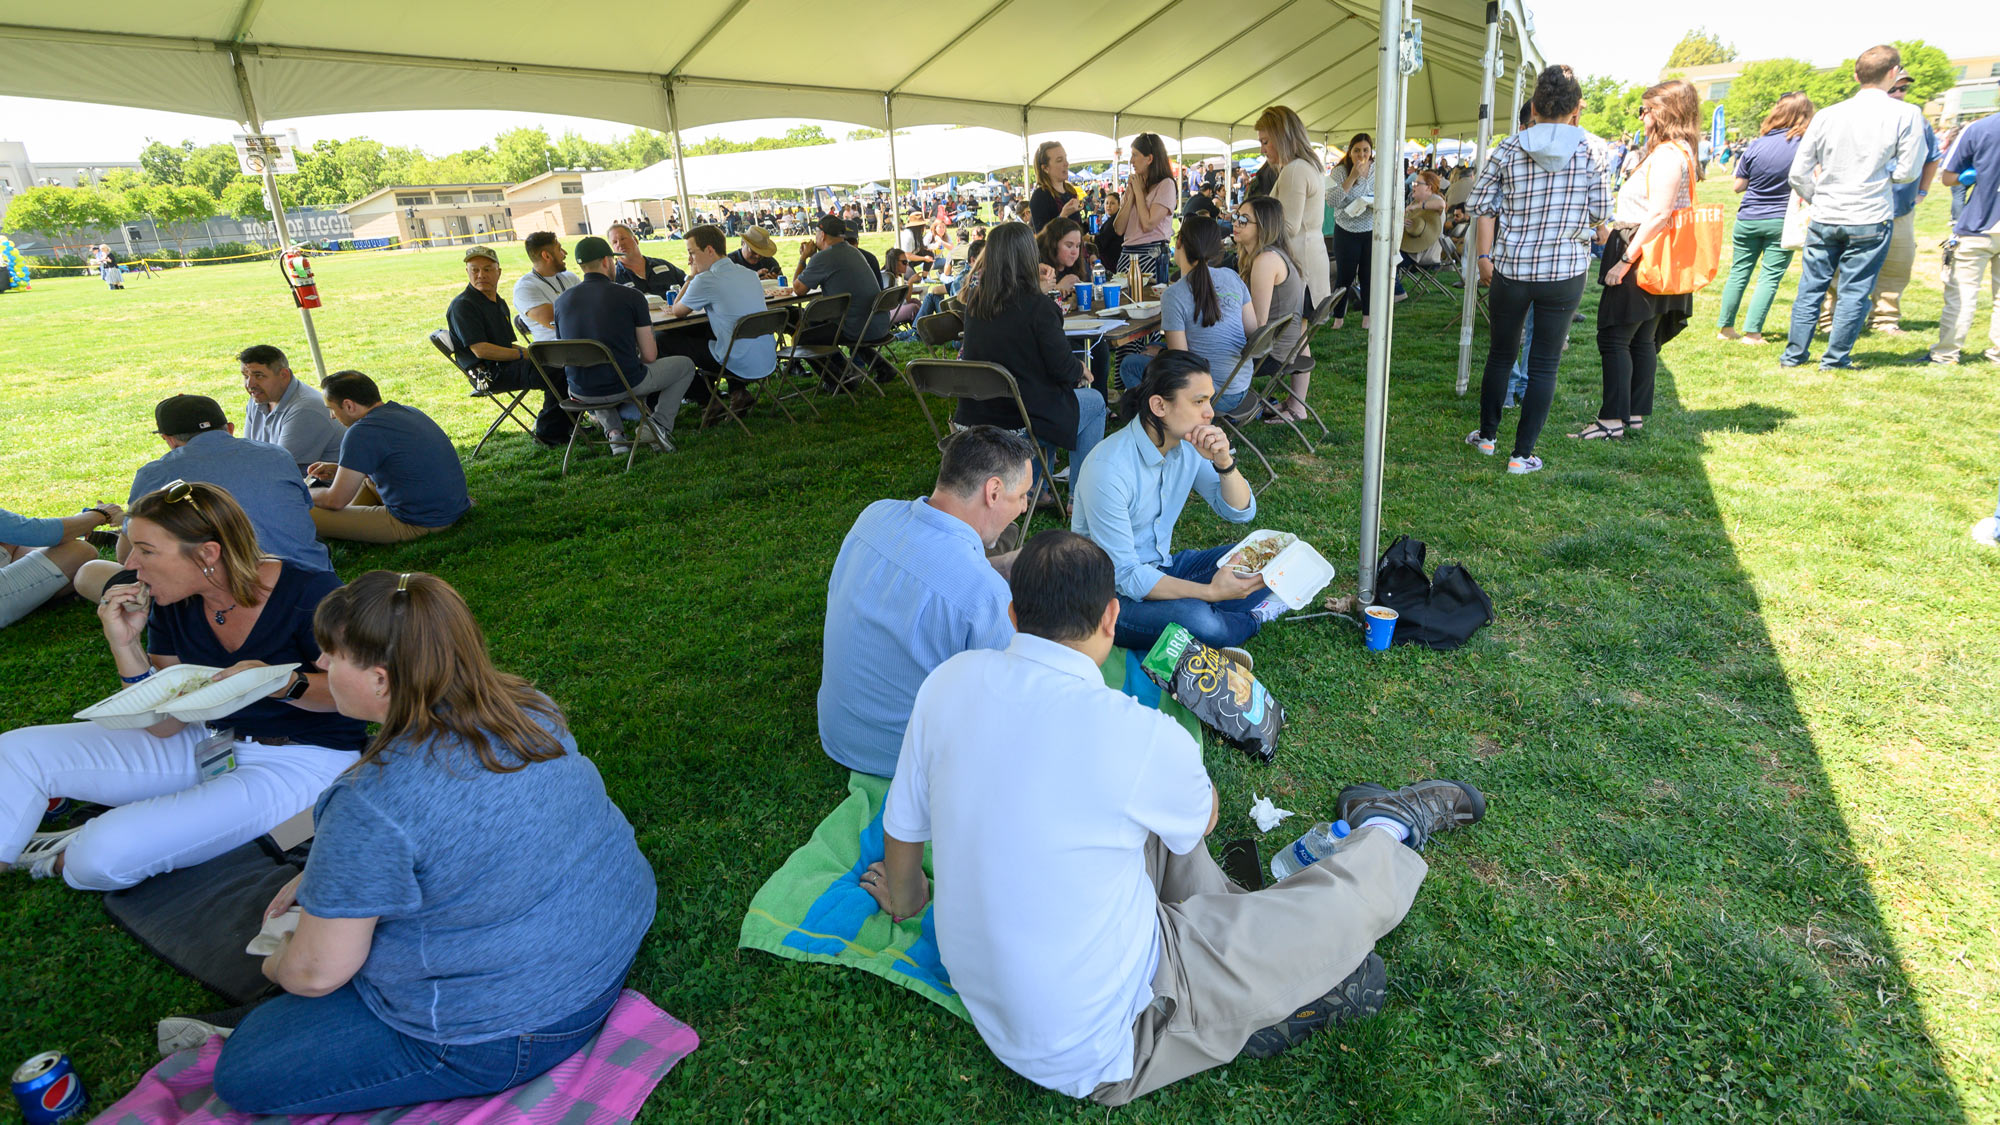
{"type": "Point", "coordinates": [1165, 66]}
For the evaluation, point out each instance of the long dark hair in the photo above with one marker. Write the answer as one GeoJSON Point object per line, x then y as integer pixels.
{"type": "Point", "coordinates": [1010, 268]}
{"type": "Point", "coordinates": [1050, 238]}
{"type": "Point", "coordinates": [441, 682]}
{"type": "Point", "coordinates": [1157, 168]}
{"type": "Point", "coordinates": [1165, 377]}
{"type": "Point", "coordinates": [1200, 239]}
{"type": "Point", "coordinates": [1347, 154]}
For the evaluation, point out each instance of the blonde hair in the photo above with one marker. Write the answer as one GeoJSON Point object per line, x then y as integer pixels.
{"type": "Point", "coordinates": [1793, 113]}
{"type": "Point", "coordinates": [1676, 117]}
{"type": "Point", "coordinates": [209, 514]}
{"type": "Point", "coordinates": [1269, 215]}
{"type": "Point", "coordinates": [1288, 134]}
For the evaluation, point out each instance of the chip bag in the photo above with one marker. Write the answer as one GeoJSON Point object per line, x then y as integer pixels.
{"type": "Point", "coordinates": [1221, 693]}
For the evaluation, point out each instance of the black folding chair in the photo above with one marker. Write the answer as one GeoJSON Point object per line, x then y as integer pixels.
{"type": "Point", "coordinates": [753, 327]}
{"type": "Point", "coordinates": [555, 355]}
{"type": "Point", "coordinates": [818, 362]}
{"type": "Point", "coordinates": [1252, 406]}
{"type": "Point", "coordinates": [1278, 384]}
{"type": "Point", "coordinates": [980, 381]}
{"type": "Point", "coordinates": [482, 388]}
{"type": "Point", "coordinates": [885, 304]}
{"type": "Point", "coordinates": [941, 329]}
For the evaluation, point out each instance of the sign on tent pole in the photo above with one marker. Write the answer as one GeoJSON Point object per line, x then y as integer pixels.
{"type": "Point", "coordinates": [257, 152]}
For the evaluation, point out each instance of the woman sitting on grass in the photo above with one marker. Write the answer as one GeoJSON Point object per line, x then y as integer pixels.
{"type": "Point", "coordinates": [205, 596]}
{"type": "Point", "coordinates": [473, 900]}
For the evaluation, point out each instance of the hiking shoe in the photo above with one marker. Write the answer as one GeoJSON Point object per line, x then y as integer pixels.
{"type": "Point", "coordinates": [39, 857]}
{"type": "Point", "coordinates": [1520, 465]}
{"type": "Point", "coordinates": [1482, 444]}
{"type": "Point", "coordinates": [1358, 996]}
{"type": "Point", "coordinates": [1426, 808]}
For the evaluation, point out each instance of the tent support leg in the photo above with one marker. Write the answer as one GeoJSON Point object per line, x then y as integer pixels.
{"type": "Point", "coordinates": [256, 125]}
{"type": "Point", "coordinates": [895, 200]}
{"type": "Point", "coordinates": [1469, 314]}
{"type": "Point", "coordinates": [1027, 160]}
{"type": "Point", "coordinates": [1391, 87]}
{"type": "Point", "coordinates": [680, 169]}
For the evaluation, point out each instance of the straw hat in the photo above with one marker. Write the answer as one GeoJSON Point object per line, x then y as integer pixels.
{"type": "Point", "coordinates": [759, 239]}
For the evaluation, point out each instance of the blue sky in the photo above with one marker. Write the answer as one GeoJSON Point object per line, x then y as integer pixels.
{"type": "Point", "coordinates": [1627, 41]}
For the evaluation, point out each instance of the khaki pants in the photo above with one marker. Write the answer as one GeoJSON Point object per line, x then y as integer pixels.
{"type": "Point", "coordinates": [1976, 260]}
{"type": "Point", "coordinates": [1233, 962]}
{"type": "Point", "coordinates": [1889, 284]}
{"type": "Point", "coordinates": [366, 521]}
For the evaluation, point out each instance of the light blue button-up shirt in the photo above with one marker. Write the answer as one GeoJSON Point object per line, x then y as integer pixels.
{"type": "Point", "coordinates": [264, 482]}
{"type": "Point", "coordinates": [29, 531]}
{"type": "Point", "coordinates": [1131, 496]}
{"type": "Point", "coordinates": [910, 589]}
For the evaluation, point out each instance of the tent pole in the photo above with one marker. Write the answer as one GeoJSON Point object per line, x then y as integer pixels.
{"type": "Point", "coordinates": [895, 201]}
{"type": "Point", "coordinates": [1117, 147]}
{"type": "Point", "coordinates": [1027, 159]}
{"type": "Point", "coordinates": [1391, 86]}
{"type": "Point", "coordinates": [1229, 171]}
{"type": "Point", "coordinates": [256, 125]}
{"type": "Point", "coordinates": [680, 168]}
{"type": "Point", "coordinates": [1470, 310]}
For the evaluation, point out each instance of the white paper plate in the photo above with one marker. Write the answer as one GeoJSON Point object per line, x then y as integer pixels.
{"type": "Point", "coordinates": [1139, 310]}
{"type": "Point", "coordinates": [155, 698]}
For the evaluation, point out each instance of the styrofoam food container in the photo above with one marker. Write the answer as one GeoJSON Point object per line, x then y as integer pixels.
{"type": "Point", "coordinates": [1297, 574]}
{"type": "Point", "coordinates": [151, 700]}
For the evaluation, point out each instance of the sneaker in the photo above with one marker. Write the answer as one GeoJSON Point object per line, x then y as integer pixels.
{"type": "Point", "coordinates": [1243, 657]}
{"type": "Point", "coordinates": [1986, 532]}
{"type": "Point", "coordinates": [1482, 444]}
{"type": "Point", "coordinates": [179, 1033]}
{"type": "Point", "coordinates": [39, 857]}
{"type": "Point", "coordinates": [1520, 465]}
{"type": "Point", "coordinates": [1062, 474]}
{"type": "Point", "coordinates": [1426, 808]}
{"type": "Point", "coordinates": [1358, 996]}
{"type": "Point", "coordinates": [1941, 361]}
{"type": "Point", "coordinates": [1992, 355]}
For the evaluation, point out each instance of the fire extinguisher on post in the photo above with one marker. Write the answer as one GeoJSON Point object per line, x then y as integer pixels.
{"type": "Point", "coordinates": [298, 272]}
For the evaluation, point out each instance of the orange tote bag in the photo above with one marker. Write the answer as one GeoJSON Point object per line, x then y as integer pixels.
{"type": "Point", "coordinates": [1685, 256]}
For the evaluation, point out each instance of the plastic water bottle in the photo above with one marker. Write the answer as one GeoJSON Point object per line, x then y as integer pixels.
{"type": "Point", "coordinates": [1097, 275]}
{"type": "Point", "coordinates": [1318, 843]}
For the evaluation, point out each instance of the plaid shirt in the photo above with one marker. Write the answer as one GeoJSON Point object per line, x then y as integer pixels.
{"type": "Point", "coordinates": [1540, 212]}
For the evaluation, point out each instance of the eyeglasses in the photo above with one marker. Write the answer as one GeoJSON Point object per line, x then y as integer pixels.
{"type": "Point", "coordinates": [179, 490]}
{"type": "Point", "coordinates": [1245, 221]}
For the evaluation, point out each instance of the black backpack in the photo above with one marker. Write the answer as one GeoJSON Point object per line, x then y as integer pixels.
{"type": "Point", "coordinates": [1440, 613]}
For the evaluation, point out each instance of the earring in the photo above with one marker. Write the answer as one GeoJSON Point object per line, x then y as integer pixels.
{"type": "Point", "coordinates": [208, 572]}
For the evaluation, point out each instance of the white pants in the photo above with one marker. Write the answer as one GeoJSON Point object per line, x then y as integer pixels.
{"type": "Point", "coordinates": [164, 816]}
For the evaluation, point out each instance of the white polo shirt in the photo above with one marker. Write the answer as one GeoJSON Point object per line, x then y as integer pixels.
{"type": "Point", "coordinates": [1037, 787]}
{"type": "Point", "coordinates": [532, 290]}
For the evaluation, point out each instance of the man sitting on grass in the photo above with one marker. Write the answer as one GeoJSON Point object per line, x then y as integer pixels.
{"type": "Point", "coordinates": [1099, 949]}
{"type": "Point", "coordinates": [202, 446]}
{"type": "Point", "coordinates": [398, 477]}
{"type": "Point", "coordinates": [911, 587]}
{"type": "Point", "coordinates": [284, 411]}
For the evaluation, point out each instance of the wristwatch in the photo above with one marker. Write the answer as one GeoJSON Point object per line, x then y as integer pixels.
{"type": "Point", "coordinates": [300, 685]}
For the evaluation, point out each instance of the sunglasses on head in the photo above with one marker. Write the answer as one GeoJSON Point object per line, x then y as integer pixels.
{"type": "Point", "coordinates": [179, 490]}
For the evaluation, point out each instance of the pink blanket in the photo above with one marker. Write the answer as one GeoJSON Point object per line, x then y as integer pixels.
{"type": "Point", "coordinates": [603, 1084]}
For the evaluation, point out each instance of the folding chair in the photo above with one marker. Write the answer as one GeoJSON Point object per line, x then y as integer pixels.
{"type": "Point", "coordinates": [885, 304]}
{"type": "Point", "coordinates": [442, 340]}
{"type": "Point", "coordinates": [1278, 384]}
{"type": "Point", "coordinates": [981, 381]}
{"type": "Point", "coordinates": [1417, 276]}
{"type": "Point", "coordinates": [1453, 256]}
{"type": "Point", "coordinates": [797, 359]}
{"type": "Point", "coordinates": [1247, 411]}
{"type": "Point", "coordinates": [554, 355]}
{"type": "Point", "coordinates": [767, 323]}
{"type": "Point", "coordinates": [941, 329]}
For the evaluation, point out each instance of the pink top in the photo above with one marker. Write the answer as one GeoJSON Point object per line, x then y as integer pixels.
{"type": "Point", "coordinates": [1163, 197]}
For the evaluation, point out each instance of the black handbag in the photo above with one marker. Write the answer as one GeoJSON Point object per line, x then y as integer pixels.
{"type": "Point", "coordinates": [1440, 613]}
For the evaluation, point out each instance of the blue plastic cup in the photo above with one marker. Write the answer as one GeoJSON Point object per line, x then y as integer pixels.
{"type": "Point", "coordinates": [1083, 297]}
{"type": "Point", "coordinates": [1381, 627]}
{"type": "Point", "coordinates": [1114, 294]}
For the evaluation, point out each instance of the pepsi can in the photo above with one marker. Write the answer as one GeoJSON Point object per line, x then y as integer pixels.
{"type": "Point", "coordinates": [48, 1089]}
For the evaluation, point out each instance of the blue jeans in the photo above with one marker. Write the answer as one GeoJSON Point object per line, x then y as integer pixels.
{"type": "Point", "coordinates": [1854, 254]}
{"type": "Point", "coordinates": [330, 1054]}
{"type": "Point", "coordinates": [1517, 383]}
{"type": "Point", "coordinates": [1213, 623]}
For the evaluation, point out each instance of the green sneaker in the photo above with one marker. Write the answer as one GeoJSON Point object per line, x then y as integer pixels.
{"type": "Point", "coordinates": [1359, 995]}
{"type": "Point", "coordinates": [1426, 808]}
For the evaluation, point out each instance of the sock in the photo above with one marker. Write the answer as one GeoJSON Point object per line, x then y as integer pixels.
{"type": "Point", "coordinates": [1390, 825]}
{"type": "Point", "coordinates": [1270, 609]}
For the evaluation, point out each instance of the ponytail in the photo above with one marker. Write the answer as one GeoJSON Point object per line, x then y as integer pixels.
{"type": "Point", "coordinates": [1167, 374]}
{"type": "Point", "coordinates": [1201, 240]}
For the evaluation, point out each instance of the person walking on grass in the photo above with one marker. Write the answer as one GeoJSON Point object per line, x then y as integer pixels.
{"type": "Point", "coordinates": [1543, 193]}
{"type": "Point", "coordinates": [1632, 323]}
{"type": "Point", "coordinates": [1763, 179]}
{"type": "Point", "coordinates": [1974, 163]}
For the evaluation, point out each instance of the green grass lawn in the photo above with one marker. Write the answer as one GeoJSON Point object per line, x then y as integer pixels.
{"type": "Point", "coordinates": [1740, 860]}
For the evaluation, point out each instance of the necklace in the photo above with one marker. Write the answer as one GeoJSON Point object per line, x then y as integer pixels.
{"type": "Point", "coordinates": [222, 615]}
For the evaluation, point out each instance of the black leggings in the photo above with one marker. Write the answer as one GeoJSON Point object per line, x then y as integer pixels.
{"type": "Point", "coordinates": [1510, 302]}
{"type": "Point", "coordinates": [1631, 354]}
{"type": "Point", "coordinates": [1353, 252]}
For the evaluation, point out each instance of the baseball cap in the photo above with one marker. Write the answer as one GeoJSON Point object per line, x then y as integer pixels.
{"type": "Point", "coordinates": [486, 252]}
{"type": "Point", "coordinates": [592, 249]}
{"type": "Point", "coordinates": [188, 414]}
{"type": "Point", "coordinates": [833, 227]}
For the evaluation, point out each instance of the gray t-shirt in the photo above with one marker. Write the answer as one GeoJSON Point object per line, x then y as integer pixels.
{"type": "Point", "coordinates": [1220, 343]}
{"type": "Point", "coordinates": [840, 268]}
{"type": "Point", "coordinates": [506, 900]}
